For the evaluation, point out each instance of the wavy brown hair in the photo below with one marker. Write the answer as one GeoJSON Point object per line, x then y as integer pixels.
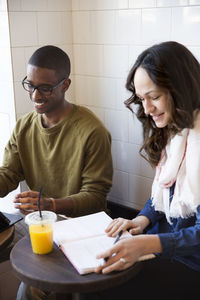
{"type": "Point", "coordinates": [172, 67]}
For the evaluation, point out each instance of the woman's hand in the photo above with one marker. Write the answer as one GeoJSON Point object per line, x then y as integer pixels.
{"type": "Point", "coordinates": [121, 256]}
{"type": "Point", "coordinates": [135, 226]}
{"type": "Point", "coordinates": [127, 251]}
{"type": "Point", "coordinates": [27, 202]}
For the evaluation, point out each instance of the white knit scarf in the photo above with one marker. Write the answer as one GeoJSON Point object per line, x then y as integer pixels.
{"type": "Point", "coordinates": [180, 163]}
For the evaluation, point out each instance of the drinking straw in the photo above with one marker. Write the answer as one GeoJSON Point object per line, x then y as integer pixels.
{"type": "Point", "coordinates": [40, 194]}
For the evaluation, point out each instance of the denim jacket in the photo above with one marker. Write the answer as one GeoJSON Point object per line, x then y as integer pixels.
{"type": "Point", "coordinates": [181, 240]}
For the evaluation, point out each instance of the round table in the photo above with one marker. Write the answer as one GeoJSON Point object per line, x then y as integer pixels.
{"type": "Point", "coordinates": [54, 272]}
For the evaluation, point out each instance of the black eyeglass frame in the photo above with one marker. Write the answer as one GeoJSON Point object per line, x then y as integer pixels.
{"type": "Point", "coordinates": [48, 93]}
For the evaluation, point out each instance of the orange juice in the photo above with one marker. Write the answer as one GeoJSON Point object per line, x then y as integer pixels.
{"type": "Point", "coordinates": [41, 238]}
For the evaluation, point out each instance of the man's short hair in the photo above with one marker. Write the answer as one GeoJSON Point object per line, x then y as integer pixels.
{"type": "Point", "coordinates": [52, 57]}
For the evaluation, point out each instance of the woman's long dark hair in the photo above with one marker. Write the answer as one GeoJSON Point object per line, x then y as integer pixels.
{"type": "Point", "coordinates": [172, 67]}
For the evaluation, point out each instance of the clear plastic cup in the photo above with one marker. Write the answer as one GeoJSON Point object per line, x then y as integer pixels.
{"type": "Point", "coordinates": [41, 231]}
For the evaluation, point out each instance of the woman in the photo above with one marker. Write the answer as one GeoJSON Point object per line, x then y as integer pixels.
{"type": "Point", "coordinates": [165, 86]}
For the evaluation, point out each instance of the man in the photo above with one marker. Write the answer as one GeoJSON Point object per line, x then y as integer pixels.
{"type": "Point", "coordinates": [60, 147]}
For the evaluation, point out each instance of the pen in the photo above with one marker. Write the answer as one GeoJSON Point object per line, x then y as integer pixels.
{"type": "Point", "coordinates": [115, 241]}
{"type": "Point", "coordinates": [118, 236]}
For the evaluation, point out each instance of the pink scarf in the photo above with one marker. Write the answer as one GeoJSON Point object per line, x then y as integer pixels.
{"type": "Point", "coordinates": [180, 163]}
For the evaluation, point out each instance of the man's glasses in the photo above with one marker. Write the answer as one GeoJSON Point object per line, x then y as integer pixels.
{"type": "Point", "coordinates": [43, 89]}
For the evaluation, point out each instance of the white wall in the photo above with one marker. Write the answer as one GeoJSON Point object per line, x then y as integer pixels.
{"type": "Point", "coordinates": [34, 24]}
{"type": "Point", "coordinates": [103, 39]}
{"type": "Point", "coordinates": [7, 106]}
{"type": "Point", "coordinates": [107, 37]}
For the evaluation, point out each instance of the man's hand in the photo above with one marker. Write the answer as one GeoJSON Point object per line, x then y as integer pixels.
{"type": "Point", "coordinates": [27, 202]}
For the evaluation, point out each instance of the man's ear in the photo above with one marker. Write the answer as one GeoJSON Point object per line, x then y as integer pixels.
{"type": "Point", "coordinates": [67, 84]}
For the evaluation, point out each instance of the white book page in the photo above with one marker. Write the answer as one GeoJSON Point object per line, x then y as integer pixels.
{"type": "Point", "coordinates": [82, 253]}
{"type": "Point", "coordinates": [81, 227]}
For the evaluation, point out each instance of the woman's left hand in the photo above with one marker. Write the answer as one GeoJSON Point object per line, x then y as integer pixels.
{"type": "Point", "coordinates": [122, 255]}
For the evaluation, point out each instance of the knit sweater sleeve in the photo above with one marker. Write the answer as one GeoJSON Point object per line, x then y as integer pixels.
{"type": "Point", "coordinates": [11, 171]}
{"type": "Point", "coordinates": [96, 174]}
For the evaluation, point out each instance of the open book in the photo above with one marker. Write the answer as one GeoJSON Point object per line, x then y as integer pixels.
{"type": "Point", "coordinates": [82, 238]}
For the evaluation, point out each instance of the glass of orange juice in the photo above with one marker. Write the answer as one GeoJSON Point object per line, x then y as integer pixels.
{"type": "Point", "coordinates": [41, 231]}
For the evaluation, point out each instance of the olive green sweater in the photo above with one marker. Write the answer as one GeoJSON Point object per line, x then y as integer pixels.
{"type": "Point", "coordinates": [72, 159]}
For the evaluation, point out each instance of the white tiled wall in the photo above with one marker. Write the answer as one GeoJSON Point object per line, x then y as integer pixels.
{"type": "Point", "coordinates": [34, 24]}
{"type": "Point", "coordinates": [107, 37]}
{"type": "Point", "coordinates": [103, 39]}
{"type": "Point", "coordinates": [7, 107]}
